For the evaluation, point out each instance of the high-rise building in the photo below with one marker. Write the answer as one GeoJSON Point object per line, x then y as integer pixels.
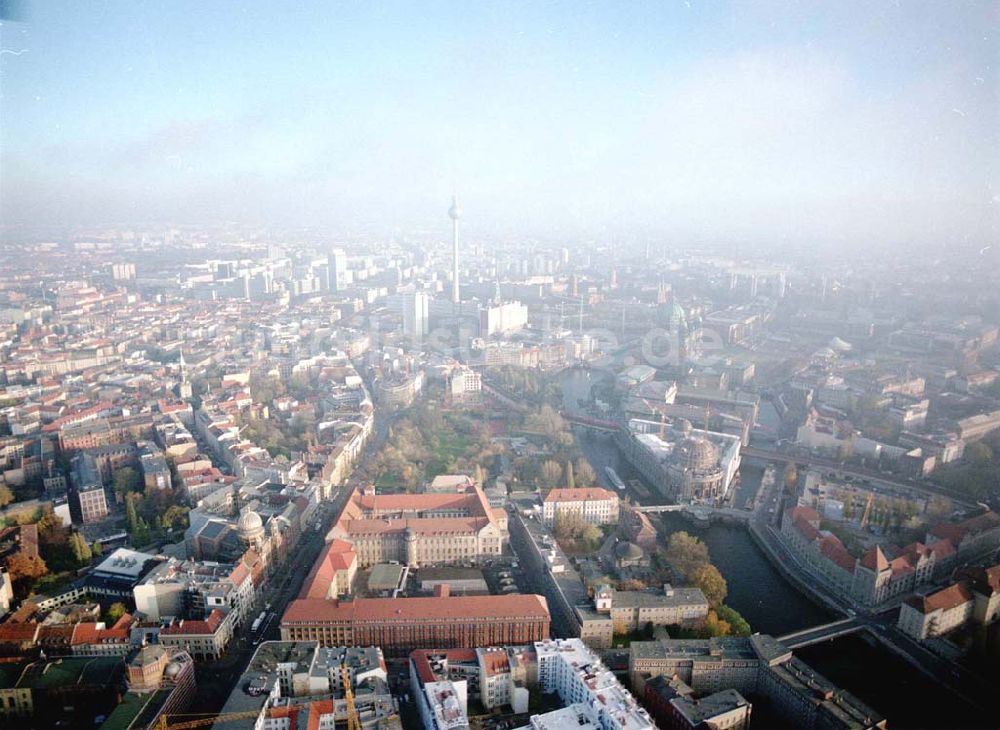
{"type": "Point", "coordinates": [454, 212]}
{"type": "Point", "coordinates": [336, 270]}
{"type": "Point", "coordinates": [89, 489]}
{"type": "Point", "coordinates": [123, 272]}
{"type": "Point", "coordinates": [415, 315]}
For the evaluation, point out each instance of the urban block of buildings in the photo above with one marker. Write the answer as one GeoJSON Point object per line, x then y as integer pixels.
{"type": "Point", "coordinates": [885, 573]}
{"type": "Point", "coordinates": [300, 684]}
{"type": "Point", "coordinates": [758, 668]}
{"type": "Point", "coordinates": [975, 598]}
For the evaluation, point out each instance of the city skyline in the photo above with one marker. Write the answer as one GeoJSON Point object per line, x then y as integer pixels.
{"type": "Point", "coordinates": [857, 125]}
{"type": "Point", "coordinates": [499, 366]}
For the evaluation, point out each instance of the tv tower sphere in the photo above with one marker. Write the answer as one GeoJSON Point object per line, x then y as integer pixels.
{"type": "Point", "coordinates": [454, 212]}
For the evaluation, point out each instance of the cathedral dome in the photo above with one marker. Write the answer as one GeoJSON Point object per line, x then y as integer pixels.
{"type": "Point", "coordinates": [696, 454]}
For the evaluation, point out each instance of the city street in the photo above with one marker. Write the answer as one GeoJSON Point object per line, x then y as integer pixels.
{"type": "Point", "coordinates": [217, 679]}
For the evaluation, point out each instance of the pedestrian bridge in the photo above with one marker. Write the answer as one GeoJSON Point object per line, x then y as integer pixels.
{"type": "Point", "coordinates": [699, 512]}
{"type": "Point", "coordinates": [594, 424]}
{"type": "Point", "coordinates": [817, 634]}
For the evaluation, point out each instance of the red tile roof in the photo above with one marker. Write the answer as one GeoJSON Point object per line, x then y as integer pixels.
{"type": "Point", "coordinates": [85, 633]}
{"type": "Point", "coordinates": [579, 495]}
{"type": "Point", "coordinates": [367, 610]}
{"type": "Point", "coordinates": [986, 580]}
{"type": "Point", "coordinates": [806, 529]}
{"type": "Point", "coordinates": [421, 660]}
{"type": "Point", "coordinates": [59, 635]}
{"type": "Point", "coordinates": [317, 709]}
{"type": "Point", "coordinates": [803, 513]}
{"type": "Point", "coordinates": [901, 565]}
{"type": "Point", "coordinates": [874, 559]}
{"type": "Point", "coordinates": [955, 531]}
{"type": "Point", "coordinates": [835, 551]}
{"type": "Point", "coordinates": [339, 556]}
{"type": "Point", "coordinates": [945, 599]}
{"type": "Point", "coordinates": [420, 525]}
{"type": "Point", "coordinates": [11, 633]}
{"type": "Point", "coordinates": [188, 627]}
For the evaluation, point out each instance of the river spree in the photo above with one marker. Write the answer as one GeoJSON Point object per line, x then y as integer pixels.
{"type": "Point", "coordinates": [772, 605]}
{"type": "Point", "coordinates": [756, 589]}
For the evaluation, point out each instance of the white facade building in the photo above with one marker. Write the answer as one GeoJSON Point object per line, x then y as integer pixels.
{"type": "Point", "coordinates": [416, 315]}
{"type": "Point", "coordinates": [594, 505]}
{"type": "Point", "coordinates": [571, 670]}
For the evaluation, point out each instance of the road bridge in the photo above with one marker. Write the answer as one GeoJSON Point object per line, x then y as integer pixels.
{"type": "Point", "coordinates": [699, 512]}
{"type": "Point", "coordinates": [594, 424]}
{"type": "Point", "coordinates": [825, 632]}
{"type": "Point", "coordinates": [508, 399]}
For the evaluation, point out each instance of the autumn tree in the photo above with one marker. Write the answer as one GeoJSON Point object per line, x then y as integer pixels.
{"type": "Point", "coordinates": [712, 584]}
{"type": "Point", "coordinates": [686, 553]}
{"type": "Point", "coordinates": [124, 481]}
{"type": "Point", "coordinates": [115, 611]}
{"type": "Point", "coordinates": [81, 550]}
{"type": "Point", "coordinates": [552, 473]}
{"type": "Point", "coordinates": [568, 525]}
{"type": "Point", "coordinates": [791, 478]}
{"type": "Point", "coordinates": [631, 584]}
{"type": "Point", "coordinates": [6, 495]}
{"type": "Point", "coordinates": [24, 567]}
{"type": "Point", "coordinates": [175, 516]}
{"type": "Point", "coordinates": [715, 626]}
{"type": "Point", "coordinates": [570, 481]}
{"type": "Point", "coordinates": [265, 390]}
{"type": "Point", "coordinates": [131, 518]}
{"type": "Point", "coordinates": [590, 537]}
{"type": "Point", "coordinates": [547, 422]}
{"type": "Point", "coordinates": [584, 473]}
{"type": "Point", "coordinates": [137, 526]}
{"type": "Point", "coordinates": [738, 625]}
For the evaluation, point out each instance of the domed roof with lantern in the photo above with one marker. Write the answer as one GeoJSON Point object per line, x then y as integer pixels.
{"type": "Point", "coordinates": [250, 525]}
{"type": "Point", "coordinates": [696, 454]}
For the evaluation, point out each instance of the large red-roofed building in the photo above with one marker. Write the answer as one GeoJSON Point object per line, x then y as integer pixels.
{"type": "Point", "coordinates": [400, 625]}
{"type": "Point", "coordinates": [452, 527]}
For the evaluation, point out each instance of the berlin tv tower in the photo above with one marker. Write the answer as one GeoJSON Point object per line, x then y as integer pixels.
{"type": "Point", "coordinates": [454, 212]}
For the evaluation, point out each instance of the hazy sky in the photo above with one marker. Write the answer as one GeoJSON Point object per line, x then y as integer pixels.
{"type": "Point", "coordinates": [834, 120]}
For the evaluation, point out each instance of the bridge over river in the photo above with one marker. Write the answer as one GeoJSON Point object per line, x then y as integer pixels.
{"type": "Point", "coordinates": [824, 632]}
{"type": "Point", "coordinates": [699, 512]}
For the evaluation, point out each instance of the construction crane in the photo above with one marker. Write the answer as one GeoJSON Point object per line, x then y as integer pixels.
{"type": "Point", "coordinates": [868, 510]}
{"type": "Point", "coordinates": [653, 411]}
{"type": "Point", "coordinates": [353, 723]}
{"type": "Point", "coordinates": [165, 721]}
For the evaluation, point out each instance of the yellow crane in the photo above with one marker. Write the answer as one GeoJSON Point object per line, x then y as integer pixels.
{"type": "Point", "coordinates": [165, 722]}
{"type": "Point", "coordinates": [868, 510]}
{"type": "Point", "coordinates": [353, 723]}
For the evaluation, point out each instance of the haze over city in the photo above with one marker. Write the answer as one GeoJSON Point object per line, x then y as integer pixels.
{"type": "Point", "coordinates": [480, 366]}
{"type": "Point", "coordinates": [860, 124]}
